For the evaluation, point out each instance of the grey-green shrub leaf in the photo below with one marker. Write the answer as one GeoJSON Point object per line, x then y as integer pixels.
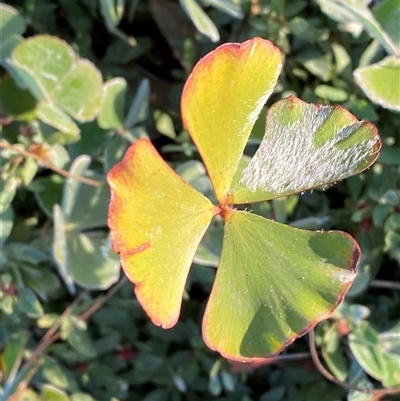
{"type": "Point", "coordinates": [72, 185]}
{"type": "Point", "coordinates": [48, 192]}
{"type": "Point", "coordinates": [113, 108]}
{"type": "Point", "coordinates": [317, 63]}
{"type": "Point", "coordinates": [92, 141]}
{"type": "Point", "coordinates": [301, 28]}
{"type": "Point", "coordinates": [59, 248]}
{"type": "Point", "coordinates": [42, 62]}
{"type": "Point", "coordinates": [331, 93]}
{"type": "Point", "coordinates": [90, 206]}
{"type": "Point", "coordinates": [6, 224]}
{"type": "Point", "coordinates": [56, 374]}
{"type": "Point", "coordinates": [164, 124]}
{"type": "Point", "coordinates": [50, 69]}
{"type": "Point", "coordinates": [28, 303]}
{"type": "Point", "coordinates": [228, 7]}
{"type": "Point", "coordinates": [12, 25]}
{"type": "Point", "coordinates": [80, 93]}
{"type": "Point", "coordinates": [114, 152]}
{"type": "Point", "coordinates": [41, 280]}
{"type": "Point", "coordinates": [52, 115]}
{"type": "Point", "coordinates": [342, 60]}
{"type": "Point", "coordinates": [358, 378]}
{"type": "Point", "coordinates": [364, 344]}
{"type": "Point", "coordinates": [24, 253]}
{"type": "Point", "coordinates": [138, 109]}
{"type": "Point", "coordinates": [121, 52]}
{"type": "Point", "coordinates": [89, 261]}
{"type": "Point", "coordinates": [81, 397]}
{"type": "Point", "coordinates": [381, 82]}
{"type": "Point", "coordinates": [28, 170]}
{"type": "Point", "coordinates": [338, 13]}
{"type": "Point", "coordinates": [305, 146]}
{"type": "Point", "coordinates": [12, 356]}
{"type": "Point", "coordinates": [81, 342]}
{"type": "Point", "coordinates": [387, 13]}
{"type": "Point", "coordinates": [51, 393]}
{"type": "Point", "coordinates": [360, 13]}
{"type": "Point", "coordinates": [15, 101]}
{"type": "Point", "coordinates": [8, 188]}
{"type": "Point", "coordinates": [200, 19]}
{"type": "Point", "coordinates": [112, 11]}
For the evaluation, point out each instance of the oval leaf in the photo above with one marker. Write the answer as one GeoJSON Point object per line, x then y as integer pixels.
{"type": "Point", "coordinates": [305, 146]}
{"type": "Point", "coordinates": [157, 221]}
{"type": "Point", "coordinates": [360, 13]}
{"type": "Point", "coordinates": [89, 264]}
{"type": "Point", "coordinates": [221, 101]}
{"type": "Point", "coordinates": [113, 108]}
{"type": "Point", "coordinates": [60, 250]}
{"type": "Point", "coordinates": [72, 185]}
{"type": "Point", "coordinates": [273, 284]}
{"type": "Point", "coordinates": [80, 93]}
{"type": "Point", "coordinates": [381, 82]}
{"type": "Point", "coordinates": [387, 13]}
{"type": "Point", "coordinates": [50, 69]}
{"type": "Point", "coordinates": [52, 115]}
{"type": "Point", "coordinates": [200, 19]}
{"type": "Point", "coordinates": [12, 25]}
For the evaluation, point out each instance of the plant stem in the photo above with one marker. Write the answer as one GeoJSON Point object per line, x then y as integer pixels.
{"type": "Point", "coordinates": [51, 166]}
{"type": "Point", "coordinates": [46, 339]}
{"type": "Point", "coordinates": [101, 300]}
{"type": "Point", "coordinates": [385, 284]}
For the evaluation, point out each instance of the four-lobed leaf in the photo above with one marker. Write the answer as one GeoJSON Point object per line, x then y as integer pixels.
{"type": "Point", "coordinates": [274, 282]}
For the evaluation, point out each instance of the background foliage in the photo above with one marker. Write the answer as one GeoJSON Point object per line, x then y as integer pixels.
{"type": "Point", "coordinates": [71, 328]}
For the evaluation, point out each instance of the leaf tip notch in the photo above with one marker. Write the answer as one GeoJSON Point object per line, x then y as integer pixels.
{"type": "Point", "coordinates": [274, 284]}
{"type": "Point", "coordinates": [156, 221]}
{"type": "Point", "coordinates": [222, 99]}
{"type": "Point", "coordinates": [306, 146]}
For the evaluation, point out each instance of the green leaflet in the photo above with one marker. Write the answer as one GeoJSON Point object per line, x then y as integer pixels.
{"type": "Point", "coordinates": [273, 284]}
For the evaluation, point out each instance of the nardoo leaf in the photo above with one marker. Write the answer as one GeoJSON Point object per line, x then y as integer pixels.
{"type": "Point", "coordinates": [273, 284]}
{"type": "Point", "coordinates": [305, 146]}
{"type": "Point", "coordinates": [157, 221]}
{"type": "Point", "coordinates": [222, 99]}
